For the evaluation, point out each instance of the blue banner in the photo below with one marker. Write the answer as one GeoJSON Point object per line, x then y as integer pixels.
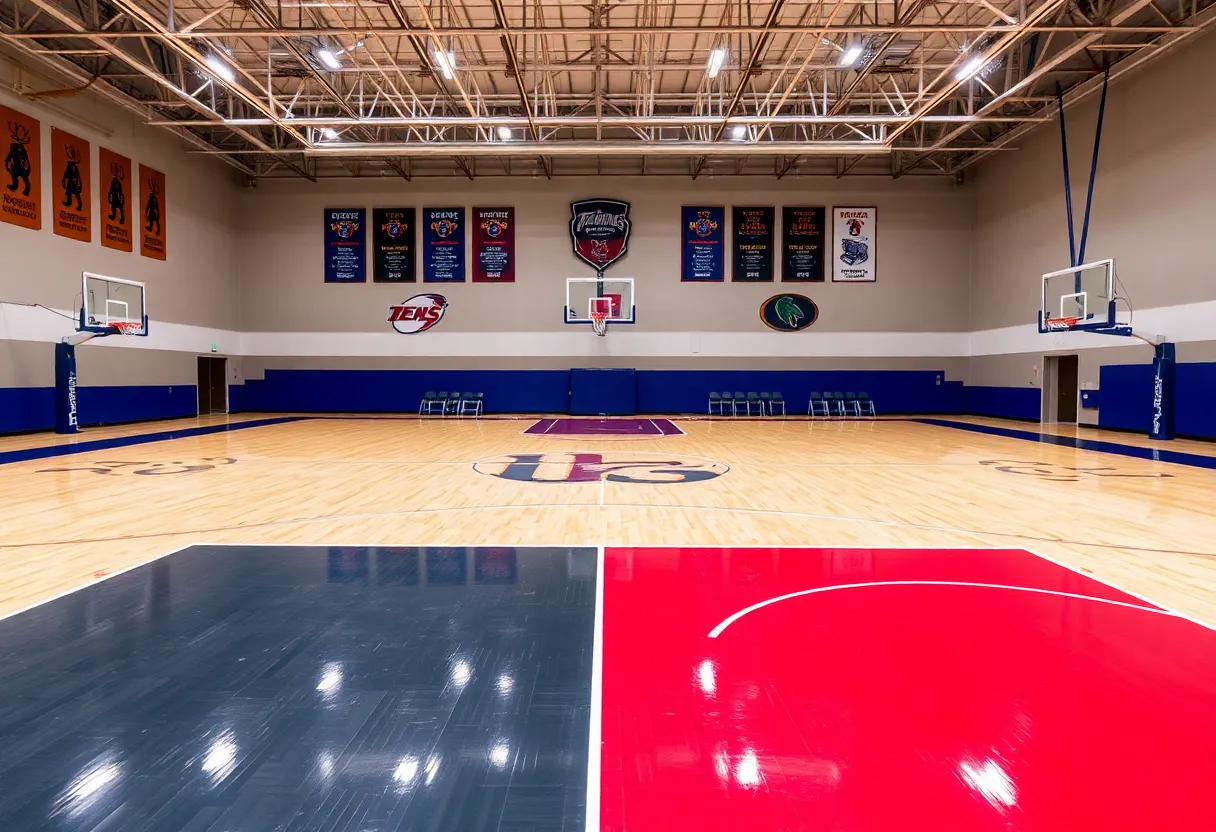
{"type": "Point", "coordinates": [753, 245]}
{"type": "Point", "coordinates": [703, 236]}
{"type": "Point", "coordinates": [443, 245]}
{"type": "Point", "coordinates": [345, 231]}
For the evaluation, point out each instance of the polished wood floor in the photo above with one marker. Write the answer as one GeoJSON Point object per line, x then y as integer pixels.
{"type": "Point", "coordinates": [1148, 527]}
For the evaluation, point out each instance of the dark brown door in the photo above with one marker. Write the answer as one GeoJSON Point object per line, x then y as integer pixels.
{"type": "Point", "coordinates": [1066, 389]}
{"type": "Point", "coordinates": [219, 385]}
{"type": "Point", "coordinates": [204, 386]}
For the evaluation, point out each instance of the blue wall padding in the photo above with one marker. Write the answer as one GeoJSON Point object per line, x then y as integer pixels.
{"type": "Point", "coordinates": [1195, 400]}
{"type": "Point", "coordinates": [33, 408]}
{"type": "Point", "coordinates": [1005, 402]}
{"type": "Point", "coordinates": [1127, 397]}
{"type": "Point", "coordinates": [608, 392]}
{"type": "Point", "coordinates": [399, 391]}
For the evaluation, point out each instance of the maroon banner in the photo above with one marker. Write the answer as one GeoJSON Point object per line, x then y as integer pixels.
{"type": "Point", "coordinates": [493, 245]}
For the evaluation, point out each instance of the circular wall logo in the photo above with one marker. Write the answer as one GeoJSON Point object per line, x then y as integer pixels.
{"type": "Point", "coordinates": [788, 313]}
{"type": "Point", "coordinates": [631, 467]}
{"type": "Point", "coordinates": [418, 313]}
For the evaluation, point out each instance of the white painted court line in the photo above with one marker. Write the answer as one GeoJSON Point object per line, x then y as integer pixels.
{"type": "Point", "coordinates": [726, 622]}
{"type": "Point", "coordinates": [595, 733]}
{"type": "Point", "coordinates": [1113, 585]}
{"type": "Point", "coordinates": [94, 582]}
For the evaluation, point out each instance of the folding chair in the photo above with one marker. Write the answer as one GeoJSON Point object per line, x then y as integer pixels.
{"type": "Point", "coordinates": [851, 404]}
{"type": "Point", "coordinates": [727, 401]}
{"type": "Point", "coordinates": [425, 405]}
{"type": "Point", "coordinates": [835, 404]}
{"type": "Point", "coordinates": [766, 404]}
{"type": "Point", "coordinates": [753, 398]}
{"type": "Point", "coordinates": [440, 402]}
{"type": "Point", "coordinates": [740, 401]}
{"type": "Point", "coordinates": [715, 399]}
{"type": "Point", "coordinates": [776, 400]}
{"type": "Point", "coordinates": [453, 403]}
{"type": "Point", "coordinates": [817, 406]}
{"type": "Point", "coordinates": [470, 404]}
{"type": "Point", "coordinates": [865, 405]}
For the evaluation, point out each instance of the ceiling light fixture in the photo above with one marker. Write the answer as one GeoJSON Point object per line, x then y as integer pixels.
{"type": "Point", "coordinates": [329, 134]}
{"type": "Point", "coordinates": [738, 132]}
{"type": "Point", "coordinates": [971, 67]}
{"type": "Point", "coordinates": [504, 133]}
{"type": "Point", "coordinates": [329, 59]}
{"type": "Point", "coordinates": [218, 67]}
{"type": "Point", "coordinates": [446, 62]}
{"type": "Point", "coordinates": [717, 57]}
{"type": "Point", "coordinates": [851, 54]}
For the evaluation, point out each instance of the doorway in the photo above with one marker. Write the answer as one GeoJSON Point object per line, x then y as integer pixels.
{"type": "Point", "coordinates": [212, 385]}
{"type": "Point", "coordinates": [1060, 389]}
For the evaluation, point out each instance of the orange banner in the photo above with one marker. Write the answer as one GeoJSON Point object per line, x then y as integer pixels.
{"type": "Point", "coordinates": [152, 219]}
{"type": "Point", "coordinates": [21, 203]}
{"type": "Point", "coordinates": [115, 222]}
{"type": "Point", "coordinates": [74, 188]}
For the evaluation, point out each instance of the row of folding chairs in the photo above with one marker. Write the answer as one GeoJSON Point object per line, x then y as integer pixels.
{"type": "Point", "coordinates": [444, 403]}
{"type": "Point", "coordinates": [840, 404]}
{"type": "Point", "coordinates": [765, 404]}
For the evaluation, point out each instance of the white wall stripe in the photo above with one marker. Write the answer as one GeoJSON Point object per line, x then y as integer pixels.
{"type": "Point", "coordinates": [1189, 322]}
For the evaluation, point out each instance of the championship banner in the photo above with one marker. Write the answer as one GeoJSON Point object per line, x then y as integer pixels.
{"type": "Point", "coordinates": [443, 245]}
{"type": "Point", "coordinates": [493, 245]}
{"type": "Point", "coordinates": [73, 206]}
{"type": "Point", "coordinates": [394, 237]}
{"type": "Point", "coordinates": [854, 236]}
{"type": "Point", "coordinates": [753, 230]}
{"type": "Point", "coordinates": [21, 203]}
{"type": "Point", "coordinates": [152, 220]}
{"type": "Point", "coordinates": [344, 240]}
{"type": "Point", "coordinates": [802, 233]}
{"type": "Point", "coordinates": [115, 223]}
{"type": "Point", "coordinates": [703, 238]}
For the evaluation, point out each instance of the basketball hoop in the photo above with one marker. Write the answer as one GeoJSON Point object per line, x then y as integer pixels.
{"type": "Point", "coordinates": [127, 329]}
{"type": "Point", "coordinates": [599, 322]}
{"type": "Point", "coordinates": [1060, 324]}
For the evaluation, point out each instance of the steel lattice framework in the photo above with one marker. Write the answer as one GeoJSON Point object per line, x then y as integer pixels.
{"type": "Point", "coordinates": [319, 88]}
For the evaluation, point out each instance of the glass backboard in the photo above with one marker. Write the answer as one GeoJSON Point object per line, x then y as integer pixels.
{"type": "Point", "coordinates": [583, 294]}
{"type": "Point", "coordinates": [1079, 297]}
{"type": "Point", "coordinates": [109, 303]}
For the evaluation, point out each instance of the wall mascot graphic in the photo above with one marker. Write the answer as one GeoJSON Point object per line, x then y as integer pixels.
{"type": "Point", "coordinates": [855, 228]}
{"type": "Point", "coordinates": [152, 208]}
{"type": "Point", "coordinates": [71, 181]}
{"type": "Point", "coordinates": [117, 198]}
{"type": "Point", "coordinates": [17, 162]}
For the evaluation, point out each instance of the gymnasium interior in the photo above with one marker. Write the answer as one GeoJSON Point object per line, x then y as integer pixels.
{"type": "Point", "coordinates": [625, 415]}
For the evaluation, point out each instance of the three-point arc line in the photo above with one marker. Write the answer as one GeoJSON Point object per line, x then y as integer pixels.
{"type": "Point", "coordinates": [726, 622]}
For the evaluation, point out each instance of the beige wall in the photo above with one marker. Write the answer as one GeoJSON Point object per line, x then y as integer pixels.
{"type": "Point", "coordinates": [196, 285]}
{"type": "Point", "coordinates": [923, 255]}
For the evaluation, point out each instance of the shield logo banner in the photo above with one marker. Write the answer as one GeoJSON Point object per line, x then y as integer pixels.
{"type": "Point", "coordinates": [599, 229]}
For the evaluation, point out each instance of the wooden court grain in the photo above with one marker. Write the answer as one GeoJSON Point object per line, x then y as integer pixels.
{"type": "Point", "coordinates": [1142, 525]}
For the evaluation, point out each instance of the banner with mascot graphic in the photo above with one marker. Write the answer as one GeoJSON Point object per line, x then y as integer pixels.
{"type": "Point", "coordinates": [116, 204]}
{"type": "Point", "coordinates": [72, 175]}
{"type": "Point", "coordinates": [345, 231]}
{"type": "Point", "coordinates": [152, 213]}
{"type": "Point", "coordinates": [394, 238]}
{"type": "Point", "coordinates": [703, 240]}
{"type": "Point", "coordinates": [21, 196]}
{"type": "Point", "coordinates": [443, 245]}
{"type": "Point", "coordinates": [854, 245]}
{"type": "Point", "coordinates": [493, 245]}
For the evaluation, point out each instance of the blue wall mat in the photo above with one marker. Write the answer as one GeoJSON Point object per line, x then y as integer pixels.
{"type": "Point", "coordinates": [1127, 397]}
{"type": "Point", "coordinates": [1005, 402]}
{"type": "Point", "coordinates": [32, 408]}
{"type": "Point", "coordinates": [1195, 400]}
{"type": "Point", "coordinates": [893, 391]}
{"type": "Point", "coordinates": [611, 392]}
{"type": "Point", "coordinates": [399, 391]}
{"type": "Point", "coordinates": [26, 408]}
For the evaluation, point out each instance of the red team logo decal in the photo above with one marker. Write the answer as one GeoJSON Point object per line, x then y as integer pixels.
{"type": "Point", "coordinates": [418, 313]}
{"type": "Point", "coordinates": [633, 467]}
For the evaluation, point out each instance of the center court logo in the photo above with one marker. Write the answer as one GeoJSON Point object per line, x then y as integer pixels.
{"type": "Point", "coordinates": [625, 467]}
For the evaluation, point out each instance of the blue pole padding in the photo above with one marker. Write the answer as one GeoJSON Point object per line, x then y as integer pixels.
{"type": "Point", "coordinates": [1072, 246]}
{"type": "Point", "coordinates": [1163, 392]}
{"type": "Point", "coordinates": [66, 420]}
{"type": "Point", "coordinates": [1093, 172]}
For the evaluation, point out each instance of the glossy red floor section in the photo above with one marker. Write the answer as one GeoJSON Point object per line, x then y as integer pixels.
{"type": "Point", "coordinates": [937, 695]}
